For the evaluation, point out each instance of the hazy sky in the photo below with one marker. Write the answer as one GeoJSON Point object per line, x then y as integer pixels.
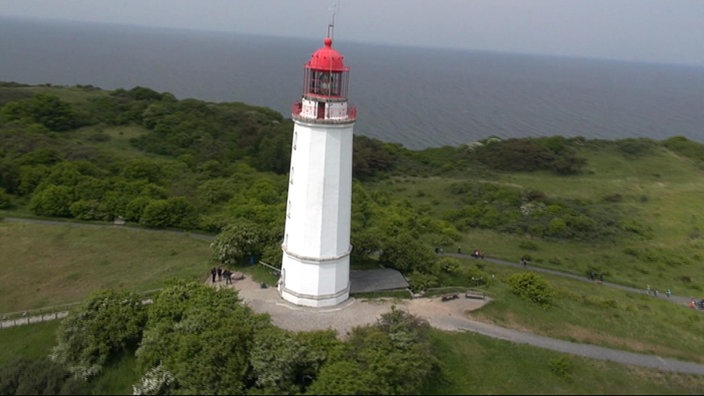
{"type": "Point", "coordinates": [670, 31]}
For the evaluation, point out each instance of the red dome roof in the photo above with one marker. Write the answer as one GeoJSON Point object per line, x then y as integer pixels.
{"type": "Point", "coordinates": [327, 58]}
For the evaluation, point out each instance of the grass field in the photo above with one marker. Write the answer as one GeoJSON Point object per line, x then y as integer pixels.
{"type": "Point", "coordinates": [475, 364]}
{"type": "Point", "coordinates": [46, 265]}
{"type": "Point", "coordinates": [658, 192]}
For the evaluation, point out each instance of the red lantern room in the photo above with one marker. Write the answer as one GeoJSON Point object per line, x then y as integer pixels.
{"type": "Point", "coordinates": [325, 83]}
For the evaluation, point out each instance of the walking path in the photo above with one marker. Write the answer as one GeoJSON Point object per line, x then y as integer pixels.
{"type": "Point", "coordinates": [445, 315]}
{"type": "Point", "coordinates": [673, 298]}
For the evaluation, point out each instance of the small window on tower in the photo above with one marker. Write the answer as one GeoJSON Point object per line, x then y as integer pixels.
{"type": "Point", "coordinates": [290, 177]}
{"type": "Point", "coordinates": [295, 139]}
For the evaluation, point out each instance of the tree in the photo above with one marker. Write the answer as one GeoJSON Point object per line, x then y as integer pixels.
{"type": "Point", "coordinates": [273, 152]}
{"type": "Point", "coordinates": [285, 363]}
{"type": "Point", "coordinates": [52, 201]}
{"type": "Point", "coordinates": [370, 157]}
{"type": "Point", "coordinates": [531, 287]}
{"type": "Point", "coordinates": [171, 212]}
{"type": "Point", "coordinates": [108, 323]}
{"type": "Point", "coordinates": [22, 376]}
{"type": "Point", "coordinates": [392, 357]}
{"type": "Point", "coordinates": [90, 209]}
{"type": "Point", "coordinates": [237, 241]}
{"type": "Point", "coordinates": [406, 254]}
{"type": "Point", "coordinates": [4, 199]}
{"type": "Point", "coordinates": [200, 338]}
{"type": "Point", "coordinates": [48, 110]}
{"type": "Point", "coordinates": [366, 242]}
{"type": "Point", "coordinates": [135, 207]}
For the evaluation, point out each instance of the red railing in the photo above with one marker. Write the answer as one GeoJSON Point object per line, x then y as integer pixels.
{"type": "Point", "coordinates": [351, 114]}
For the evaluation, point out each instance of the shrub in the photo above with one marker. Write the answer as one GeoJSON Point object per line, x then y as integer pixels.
{"type": "Point", "coordinates": [237, 242]}
{"type": "Point", "coordinates": [635, 147]}
{"type": "Point", "coordinates": [528, 245]}
{"type": "Point", "coordinates": [52, 201]}
{"type": "Point", "coordinates": [447, 265]}
{"type": "Point", "coordinates": [4, 199]}
{"type": "Point", "coordinates": [531, 287]}
{"type": "Point", "coordinates": [108, 323]}
{"type": "Point", "coordinates": [561, 367]}
{"type": "Point", "coordinates": [171, 212]}
{"type": "Point", "coordinates": [419, 281]}
{"type": "Point", "coordinates": [22, 376]}
{"type": "Point", "coordinates": [89, 209]}
{"type": "Point", "coordinates": [156, 381]}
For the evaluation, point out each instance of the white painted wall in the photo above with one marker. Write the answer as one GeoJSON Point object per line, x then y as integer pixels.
{"type": "Point", "coordinates": [315, 268]}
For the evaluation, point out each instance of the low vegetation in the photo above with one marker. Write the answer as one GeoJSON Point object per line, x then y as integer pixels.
{"type": "Point", "coordinates": [212, 178]}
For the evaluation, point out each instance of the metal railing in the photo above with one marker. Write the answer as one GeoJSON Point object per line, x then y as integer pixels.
{"type": "Point", "coordinates": [45, 314]}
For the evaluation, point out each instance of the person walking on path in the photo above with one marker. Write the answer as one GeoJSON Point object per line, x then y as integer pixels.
{"type": "Point", "coordinates": [213, 272]}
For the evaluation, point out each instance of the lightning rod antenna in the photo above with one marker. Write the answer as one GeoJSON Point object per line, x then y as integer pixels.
{"type": "Point", "coordinates": [331, 25]}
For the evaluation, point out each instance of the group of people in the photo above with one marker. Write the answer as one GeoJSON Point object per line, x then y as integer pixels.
{"type": "Point", "coordinates": [597, 276]}
{"type": "Point", "coordinates": [218, 273]}
{"type": "Point", "coordinates": [476, 253]}
{"type": "Point", "coordinates": [654, 292]}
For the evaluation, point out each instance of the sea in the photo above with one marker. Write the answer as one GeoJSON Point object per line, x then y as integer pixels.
{"type": "Point", "coordinates": [418, 97]}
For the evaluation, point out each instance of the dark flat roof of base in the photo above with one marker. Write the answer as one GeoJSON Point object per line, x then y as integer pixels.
{"type": "Point", "coordinates": [363, 281]}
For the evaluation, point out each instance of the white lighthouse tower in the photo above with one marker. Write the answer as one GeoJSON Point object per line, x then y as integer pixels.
{"type": "Point", "coordinates": [315, 269]}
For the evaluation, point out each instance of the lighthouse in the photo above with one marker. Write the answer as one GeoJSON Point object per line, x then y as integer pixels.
{"type": "Point", "coordinates": [315, 269]}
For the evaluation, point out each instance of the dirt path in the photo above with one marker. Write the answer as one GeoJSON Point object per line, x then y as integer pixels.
{"type": "Point", "coordinates": [353, 312]}
{"type": "Point", "coordinates": [445, 315]}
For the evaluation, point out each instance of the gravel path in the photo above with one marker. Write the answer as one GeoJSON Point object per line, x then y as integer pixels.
{"type": "Point", "coordinates": [353, 312]}
{"type": "Point", "coordinates": [445, 315]}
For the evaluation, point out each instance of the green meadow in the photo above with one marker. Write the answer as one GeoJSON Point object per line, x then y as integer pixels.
{"type": "Point", "coordinates": [73, 159]}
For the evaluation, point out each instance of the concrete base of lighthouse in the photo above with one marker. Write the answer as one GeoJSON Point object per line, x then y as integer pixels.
{"type": "Point", "coordinates": [314, 282]}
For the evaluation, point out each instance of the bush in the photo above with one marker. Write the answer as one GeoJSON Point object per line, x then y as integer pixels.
{"type": "Point", "coordinates": [4, 199]}
{"type": "Point", "coordinates": [108, 323]}
{"type": "Point", "coordinates": [237, 242]}
{"type": "Point", "coordinates": [47, 110]}
{"type": "Point", "coordinates": [171, 212]}
{"type": "Point", "coordinates": [89, 209]}
{"type": "Point", "coordinates": [406, 254]}
{"type": "Point", "coordinates": [528, 245]}
{"type": "Point", "coordinates": [22, 376]}
{"type": "Point", "coordinates": [52, 201]}
{"type": "Point", "coordinates": [447, 265]}
{"type": "Point", "coordinates": [419, 281]}
{"type": "Point", "coordinates": [635, 147]}
{"type": "Point", "coordinates": [561, 367]}
{"type": "Point", "coordinates": [531, 287]}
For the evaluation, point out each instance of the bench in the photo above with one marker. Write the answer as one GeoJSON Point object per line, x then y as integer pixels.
{"type": "Point", "coordinates": [478, 294]}
{"type": "Point", "coordinates": [448, 297]}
